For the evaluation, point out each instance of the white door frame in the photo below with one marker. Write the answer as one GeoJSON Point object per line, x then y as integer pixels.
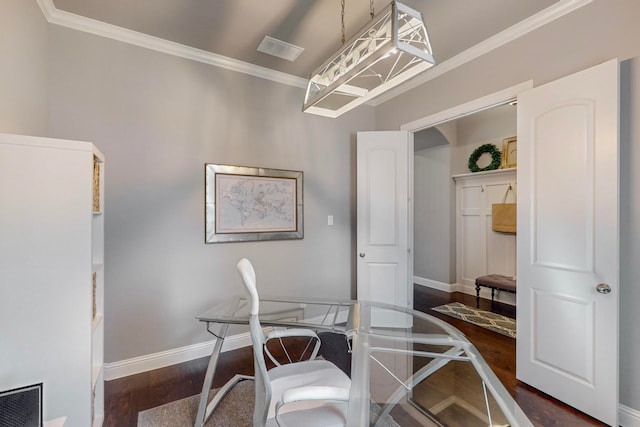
{"type": "Point", "coordinates": [477, 105]}
{"type": "Point", "coordinates": [480, 104]}
{"type": "Point", "coordinates": [493, 100]}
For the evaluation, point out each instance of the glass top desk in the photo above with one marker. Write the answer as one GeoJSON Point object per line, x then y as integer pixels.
{"type": "Point", "coordinates": [407, 368]}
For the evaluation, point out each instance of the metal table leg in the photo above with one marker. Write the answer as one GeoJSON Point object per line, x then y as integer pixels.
{"type": "Point", "coordinates": [360, 393]}
{"type": "Point", "coordinates": [208, 377]}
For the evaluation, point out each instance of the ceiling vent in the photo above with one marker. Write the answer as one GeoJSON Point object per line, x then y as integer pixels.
{"type": "Point", "coordinates": [278, 48]}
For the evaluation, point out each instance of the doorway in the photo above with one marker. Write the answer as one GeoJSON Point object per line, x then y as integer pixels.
{"type": "Point", "coordinates": [568, 246]}
{"type": "Point", "coordinates": [443, 144]}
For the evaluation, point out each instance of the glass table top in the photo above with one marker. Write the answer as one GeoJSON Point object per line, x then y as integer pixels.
{"type": "Point", "coordinates": [408, 368]}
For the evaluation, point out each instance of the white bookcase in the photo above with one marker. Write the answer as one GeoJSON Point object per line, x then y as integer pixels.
{"type": "Point", "coordinates": [52, 274]}
{"type": "Point", "coordinates": [479, 250]}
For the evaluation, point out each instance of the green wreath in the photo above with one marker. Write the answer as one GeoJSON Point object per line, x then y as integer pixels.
{"type": "Point", "coordinates": [496, 158]}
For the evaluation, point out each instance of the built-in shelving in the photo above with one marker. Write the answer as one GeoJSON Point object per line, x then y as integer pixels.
{"type": "Point", "coordinates": [495, 172]}
{"type": "Point", "coordinates": [97, 323]}
{"type": "Point", "coordinates": [52, 194]}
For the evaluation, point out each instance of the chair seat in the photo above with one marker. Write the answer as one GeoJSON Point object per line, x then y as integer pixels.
{"type": "Point", "coordinates": [307, 373]}
{"type": "Point", "coordinates": [333, 414]}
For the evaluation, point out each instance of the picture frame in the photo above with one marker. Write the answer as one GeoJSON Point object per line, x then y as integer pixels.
{"type": "Point", "coordinates": [244, 204]}
{"type": "Point", "coordinates": [509, 153]}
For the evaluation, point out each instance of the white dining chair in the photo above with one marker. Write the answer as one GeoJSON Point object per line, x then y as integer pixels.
{"type": "Point", "coordinates": [308, 393]}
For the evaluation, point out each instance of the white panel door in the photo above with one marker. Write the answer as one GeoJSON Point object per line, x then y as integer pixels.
{"type": "Point", "coordinates": [385, 177]}
{"type": "Point", "coordinates": [568, 260]}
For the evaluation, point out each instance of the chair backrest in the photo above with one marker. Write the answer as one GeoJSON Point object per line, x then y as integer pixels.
{"type": "Point", "coordinates": [262, 383]}
{"type": "Point", "coordinates": [249, 278]}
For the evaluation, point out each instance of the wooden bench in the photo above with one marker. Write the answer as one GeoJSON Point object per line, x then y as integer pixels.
{"type": "Point", "coordinates": [495, 282]}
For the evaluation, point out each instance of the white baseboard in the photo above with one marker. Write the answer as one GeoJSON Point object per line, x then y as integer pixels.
{"type": "Point", "coordinates": [628, 417]}
{"type": "Point", "coordinates": [434, 284]}
{"type": "Point", "coordinates": [174, 356]}
{"type": "Point", "coordinates": [504, 297]}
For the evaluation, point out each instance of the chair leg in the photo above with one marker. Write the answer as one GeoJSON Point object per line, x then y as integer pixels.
{"type": "Point", "coordinates": [223, 392]}
{"type": "Point", "coordinates": [477, 295]}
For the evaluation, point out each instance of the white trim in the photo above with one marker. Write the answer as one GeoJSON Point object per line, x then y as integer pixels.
{"type": "Point", "coordinates": [92, 26]}
{"type": "Point", "coordinates": [434, 284]}
{"type": "Point", "coordinates": [503, 297]}
{"type": "Point", "coordinates": [474, 106]}
{"type": "Point", "coordinates": [47, 7]}
{"type": "Point", "coordinates": [628, 417]}
{"type": "Point", "coordinates": [174, 356]}
{"type": "Point", "coordinates": [545, 16]}
{"type": "Point", "coordinates": [162, 359]}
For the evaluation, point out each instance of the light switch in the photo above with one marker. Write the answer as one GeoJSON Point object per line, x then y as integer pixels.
{"type": "Point", "coordinates": [330, 220]}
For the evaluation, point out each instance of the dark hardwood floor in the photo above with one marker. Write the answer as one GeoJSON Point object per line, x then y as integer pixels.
{"type": "Point", "coordinates": [125, 397]}
{"type": "Point", "coordinates": [500, 353]}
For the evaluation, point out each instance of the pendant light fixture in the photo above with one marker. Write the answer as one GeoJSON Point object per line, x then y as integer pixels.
{"type": "Point", "coordinates": [391, 49]}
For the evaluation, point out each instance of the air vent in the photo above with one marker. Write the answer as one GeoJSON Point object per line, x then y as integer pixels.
{"type": "Point", "coordinates": [278, 48]}
{"type": "Point", "coordinates": [21, 407]}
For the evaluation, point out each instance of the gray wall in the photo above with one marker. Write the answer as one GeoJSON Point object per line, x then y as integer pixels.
{"type": "Point", "coordinates": [600, 31]}
{"type": "Point", "coordinates": [158, 119]}
{"type": "Point", "coordinates": [441, 152]}
{"type": "Point", "coordinates": [433, 234]}
{"type": "Point", "coordinates": [630, 233]}
{"type": "Point", "coordinates": [432, 195]}
{"type": "Point", "coordinates": [23, 68]}
{"type": "Point", "coordinates": [486, 127]}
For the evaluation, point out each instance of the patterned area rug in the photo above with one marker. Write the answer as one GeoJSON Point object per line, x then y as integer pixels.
{"type": "Point", "coordinates": [494, 322]}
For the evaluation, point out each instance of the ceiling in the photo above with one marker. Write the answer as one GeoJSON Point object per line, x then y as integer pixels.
{"type": "Point", "coordinates": [234, 28]}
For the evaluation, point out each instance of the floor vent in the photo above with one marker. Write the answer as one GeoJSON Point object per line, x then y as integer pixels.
{"type": "Point", "coordinates": [21, 407]}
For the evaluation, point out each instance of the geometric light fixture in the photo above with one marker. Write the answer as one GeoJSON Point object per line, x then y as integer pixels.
{"type": "Point", "coordinates": [391, 49]}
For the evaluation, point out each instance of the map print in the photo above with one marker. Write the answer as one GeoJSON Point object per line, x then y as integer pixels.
{"type": "Point", "coordinates": [246, 204]}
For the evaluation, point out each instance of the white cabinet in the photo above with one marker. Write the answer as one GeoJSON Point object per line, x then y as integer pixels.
{"type": "Point", "coordinates": [52, 274]}
{"type": "Point", "coordinates": [479, 250]}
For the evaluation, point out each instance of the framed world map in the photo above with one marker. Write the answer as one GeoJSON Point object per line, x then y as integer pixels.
{"type": "Point", "coordinates": [250, 203]}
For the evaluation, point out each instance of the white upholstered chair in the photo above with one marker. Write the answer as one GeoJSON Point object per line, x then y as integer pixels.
{"type": "Point", "coordinates": [306, 393]}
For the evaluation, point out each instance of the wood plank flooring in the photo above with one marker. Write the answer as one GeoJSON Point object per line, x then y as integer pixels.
{"type": "Point", "coordinates": [125, 397]}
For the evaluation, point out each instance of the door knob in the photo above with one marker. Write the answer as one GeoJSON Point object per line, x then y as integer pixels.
{"type": "Point", "coordinates": [603, 288]}
{"type": "Point", "coordinates": [361, 254]}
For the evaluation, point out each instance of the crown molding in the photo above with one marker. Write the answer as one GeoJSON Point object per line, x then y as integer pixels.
{"type": "Point", "coordinates": [47, 7]}
{"type": "Point", "coordinates": [425, 74]}
{"type": "Point", "coordinates": [92, 26]}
